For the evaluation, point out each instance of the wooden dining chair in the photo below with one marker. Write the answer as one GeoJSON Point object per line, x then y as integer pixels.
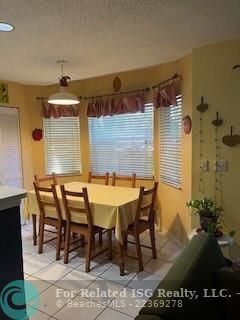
{"type": "Point", "coordinates": [144, 220]}
{"type": "Point", "coordinates": [76, 204]}
{"type": "Point", "coordinates": [52, 179]}
{"type": "Point", "coordinates": [50, 214]}
{"type": "Point", "coordinates": [131, 178]}
{"type": "Point", "coordinates": [104, 178]}
{"type": "Point", "coordinates": [42, 181]}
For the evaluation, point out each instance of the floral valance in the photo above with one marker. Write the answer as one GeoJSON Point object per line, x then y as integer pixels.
{"type": "Point", "coordinates": [165, 96]}
{"type": "Point", "coordinates": [58, 111]}
{"type": "Point", "coordinates": [116, 105]}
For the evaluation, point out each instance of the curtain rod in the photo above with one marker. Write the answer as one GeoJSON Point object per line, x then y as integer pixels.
{"type": "Point", "coordinates": [174, 77]}
{"type": "Point", "coordinates": [115, 94]}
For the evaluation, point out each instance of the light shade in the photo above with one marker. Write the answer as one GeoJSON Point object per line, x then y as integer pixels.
{"type": "Point", "coordinates": [63, 98]}
{"type": "Point", "coordinates": [6, 27]}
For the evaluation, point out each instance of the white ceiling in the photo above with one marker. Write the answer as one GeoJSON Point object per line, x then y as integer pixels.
{"type": "Point", "coordinates": [99, 37]}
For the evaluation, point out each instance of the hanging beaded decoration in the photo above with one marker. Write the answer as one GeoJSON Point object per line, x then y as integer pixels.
{"type": "Point", "coordinates": [218, 192]}
{"type": "Point", "coordinates": [202, 107]}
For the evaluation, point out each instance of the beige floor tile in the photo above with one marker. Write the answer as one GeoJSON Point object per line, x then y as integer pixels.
{"type": "Point", "coordinates": [168, 254]}
{"type": "Point", "coordinates": [49, 302]}
{"type": "Point", "coordinates": [110, 314]}
{"type": "Point", "coordinates": [105, 291]}
{"type": "Point", "coordinates": [76, 280]}
{"type": "Point", "coordinates": [158, 267]}
{"type": "Point", "coordinates": [113, 274]}
{"type": "Point", "coordinates": [39, 284]}
{"type": "Point", "coordinates": [52, 272]}
{"type": "Point", "coordinates": [38, 315]}
{"type": "Point", "coordinates": [144, 280]}
{"type": "Point", "coordinates": [83, 309]}
{"type": "Point", "coordinates": [34, 264]}
{"type": "Point", "coordinates": [174, 245]}
{"type": "Point", "coordinates": [127, 302]}
{"type": "Point", "coordinates": [96, 268]}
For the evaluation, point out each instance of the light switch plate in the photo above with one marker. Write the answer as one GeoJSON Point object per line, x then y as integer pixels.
{"type": "Point", "coordinates": [220, 165]}
{"type": "Point", "coordinates": [204, 165]}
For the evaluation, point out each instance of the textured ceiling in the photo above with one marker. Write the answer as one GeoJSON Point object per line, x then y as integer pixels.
{"type": "Point", "coordinates": [99, 37]}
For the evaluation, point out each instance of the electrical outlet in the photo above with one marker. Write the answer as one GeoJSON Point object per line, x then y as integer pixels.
{"type": "Point", "coordinates": [220, 165]}
{"type": "Point", "coordinates": [204, 165]}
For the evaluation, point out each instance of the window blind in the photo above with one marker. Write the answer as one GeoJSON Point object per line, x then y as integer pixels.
{"type": "Point", "coordinates": [10, 152]}
{"type": "Point", "coordinates": [62, 145]}
{"type": "Point", "coordinates": [170, 144]}
{"type": "Point", "coordinates": [123, 143]}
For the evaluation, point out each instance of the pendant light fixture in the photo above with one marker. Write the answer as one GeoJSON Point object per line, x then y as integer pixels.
{"type": "Point", "coordinates": [63, 97]}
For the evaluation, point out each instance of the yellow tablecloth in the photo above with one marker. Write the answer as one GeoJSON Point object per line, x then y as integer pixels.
{"type": "Point", "coordinates": [111, 206]}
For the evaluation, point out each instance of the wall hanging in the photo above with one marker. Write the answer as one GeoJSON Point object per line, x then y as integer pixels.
{"type": "Point", "coordinates": [37, 134]}
{"type": "Point", "coordinates": [187, 124]}
{"type": "Point", "coordinates": [3, 93]}
{"type": "Point", "coordinates": [231, 140]}
{"type": "Point", "coordinates": [117, 84]}
{"type": "Point", "coordinates": [218, 185]}
{"type": "Point", "coordinates": [202, 107]}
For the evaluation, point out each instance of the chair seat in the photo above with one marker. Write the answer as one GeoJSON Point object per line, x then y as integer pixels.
{"type": "Point", "coordinates": [143, 225]}
{"type": "Point", "coordinates": [52, 221]}
{"type": "Point", "coordinates": [83, 228]}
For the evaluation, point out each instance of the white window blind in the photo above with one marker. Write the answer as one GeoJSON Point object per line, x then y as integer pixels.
{"type": "Point", "coordinates": [123, 143]}
{"type": "Point", "coordinates": [62, 145]}
{"type": "Point", "coordinates": [170, 144]}
{"type": "Point", "coordinates": [10, 152]}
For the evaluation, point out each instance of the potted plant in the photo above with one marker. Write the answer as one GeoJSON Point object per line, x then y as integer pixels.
{"type": "Point", "coordinates": [209, 214]}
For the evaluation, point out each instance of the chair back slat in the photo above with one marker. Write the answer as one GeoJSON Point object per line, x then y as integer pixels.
{"type": "Point", "coordinates": [52, 201]}
{"type": "Point", "coordinates": [144, 205]}
{"type": "Point", "coordinates": [131, 178]}
{"type": "Point", "coordinates": [52, 178]}
{"type": "Point", "coordinates": [70, 196]}
{"type": "Point", "coordinates": [105, 177]}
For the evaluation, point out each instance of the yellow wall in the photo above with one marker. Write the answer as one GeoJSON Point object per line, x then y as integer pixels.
{"type": "Point", "coordinates": [171, 201]}
{"type": "Point", "coordinates": [214, 79]}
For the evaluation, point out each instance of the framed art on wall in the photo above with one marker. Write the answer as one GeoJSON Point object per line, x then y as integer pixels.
{"type": "Point", "coordinates": [3, 93]}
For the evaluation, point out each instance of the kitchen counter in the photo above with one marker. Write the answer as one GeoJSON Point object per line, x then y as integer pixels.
{"type": "Point", "coordinates": [11, 197]}
{"type": "Point", "coordinates": [11, 261]}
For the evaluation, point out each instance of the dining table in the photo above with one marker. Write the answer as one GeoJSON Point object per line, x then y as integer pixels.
{"type": "Point", "coordinates": [112, 207]}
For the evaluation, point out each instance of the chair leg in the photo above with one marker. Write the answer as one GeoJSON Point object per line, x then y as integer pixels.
{"type": "Point", "coordinates": [41, 235]}
{"type": "Point", "coordinates": [125, 238]}
{"type": "Point", "coordinates": [100, 237]}
{"type": "Point", "coordinates": [59, 240]}
{"type": "Point", "coordinates": [34, 222]}
{"type": "Point", "coordinates": [139, 252]}
{"type": "Point", "coordinates": [67, 243]}
{"type": "Point", "coordinates": [109, 244]}
{"type": "Point", "coordinates": [88, 252]}
{"type": "Point", "coordinates": [152, 237]}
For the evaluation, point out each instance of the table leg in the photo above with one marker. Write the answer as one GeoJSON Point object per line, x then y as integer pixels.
{"type": "Point", "coordinates": [34, 222]}
{"type": "Point", "coordinates": [121, 258]}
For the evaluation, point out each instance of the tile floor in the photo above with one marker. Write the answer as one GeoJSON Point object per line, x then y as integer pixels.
{"type": "Point", "coordinates": [64, 289]}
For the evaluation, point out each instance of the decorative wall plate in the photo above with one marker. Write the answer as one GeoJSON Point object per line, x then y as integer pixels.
{"type": "Point", "coordinates": [37, 134]}
{"type": "Point", "coordinates": [187, 124]}
{"type": "Point", "coordinates": [231, 140]}
{"type": "Point", "coordinates": [202, 107]}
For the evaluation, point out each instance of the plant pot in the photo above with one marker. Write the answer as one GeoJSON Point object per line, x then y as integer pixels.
{"type": "Point", "coordinates": [209, 224]}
